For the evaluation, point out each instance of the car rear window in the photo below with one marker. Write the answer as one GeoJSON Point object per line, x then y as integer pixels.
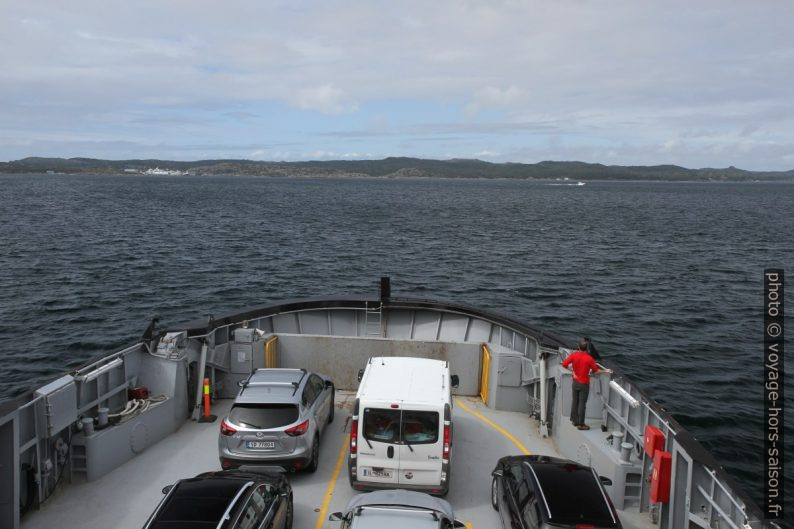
{"type": "Point", "coordinates": [393, 426]}
{"type": "Point", "coordinates": [263, 416]}
{"type": "Point", "coordinates": [194, 510]}
{"type": "Point", "coordinates": [382, 425]}
{"type": "Point", "coordinates": [420, 427]}
{"type": "Point", "coordinates": [574, 496]}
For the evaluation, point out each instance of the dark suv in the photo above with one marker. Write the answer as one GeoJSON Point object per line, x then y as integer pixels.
{"type": "Point", "coordinates": [541, 492]}
{"type": "Point", "coordinates": [226, 499]}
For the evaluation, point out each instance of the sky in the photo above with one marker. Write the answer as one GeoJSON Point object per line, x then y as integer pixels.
{"type": "Point", "coordinates": [698, 84]}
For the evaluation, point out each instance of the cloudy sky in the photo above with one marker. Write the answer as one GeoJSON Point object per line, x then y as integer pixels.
{"type": "Point", "coordinates": [696, 83]}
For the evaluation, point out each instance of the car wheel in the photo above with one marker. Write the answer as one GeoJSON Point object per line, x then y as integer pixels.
{"type": "Point", "coordinates": [314, 463]}
{"type": "Point", "coordinates": [494, 495]}
{"type": "Point", "coordinates": [331, 411]}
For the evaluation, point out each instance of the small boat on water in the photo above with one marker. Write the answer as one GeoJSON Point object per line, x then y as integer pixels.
{"type": "Point", "coordinates": [577, 184]}
{"type": "Point", "coordinates": [95, 447]}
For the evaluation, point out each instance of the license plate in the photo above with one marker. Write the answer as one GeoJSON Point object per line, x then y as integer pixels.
{"type": "Point", "coordinates": [260, 444]}
{"type": "Point", "coordinates": [377, 473]}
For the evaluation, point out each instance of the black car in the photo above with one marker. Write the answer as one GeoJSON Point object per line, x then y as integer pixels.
{"type": "Point", "coordinates": [541, 492]}
{"type": "Point", "coordinates": [227, 499]}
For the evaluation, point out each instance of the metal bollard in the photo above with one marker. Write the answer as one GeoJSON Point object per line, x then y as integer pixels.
{"type": "Point", "coordinates": [625, 452]}
{"type": "Point", "coordinates": [617, 440]}
{"type": "Point", "coordinates": [88, 426]}
{"type": "Point", "coordinates": [102, 418]}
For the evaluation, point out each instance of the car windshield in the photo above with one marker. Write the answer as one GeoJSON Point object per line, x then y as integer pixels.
{"type": "Point", "coordinates": [393, 426]}
{"type": "Point", "coordinates": [263, 416]}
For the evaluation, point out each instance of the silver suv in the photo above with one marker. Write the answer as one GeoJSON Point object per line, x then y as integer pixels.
{"type": "Point", "coordinates": [277, 418]}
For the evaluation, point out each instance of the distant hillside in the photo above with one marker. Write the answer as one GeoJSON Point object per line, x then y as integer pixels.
{"type": "Point", "coordinates": [392, 168]}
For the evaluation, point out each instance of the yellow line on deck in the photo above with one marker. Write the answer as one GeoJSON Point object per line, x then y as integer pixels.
{"type": "Point", "coordinates": [494, 426]}
{"type": "Point", "coordinates": [330, 490]}
{"type": "Point", "coordinates": [468, 525]}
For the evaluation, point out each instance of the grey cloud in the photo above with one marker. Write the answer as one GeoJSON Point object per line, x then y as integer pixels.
{"type": "Point", "coordinates": [643, 74]}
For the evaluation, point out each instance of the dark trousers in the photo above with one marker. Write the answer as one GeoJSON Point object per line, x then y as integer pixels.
{"type": "Point", "coordinates": [579, 401]}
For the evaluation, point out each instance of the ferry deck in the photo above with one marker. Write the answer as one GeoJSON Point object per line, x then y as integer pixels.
{"type": "Point", "coordinates": [125, 497]}
{"type": "Point", "coordinates": [513, 398]}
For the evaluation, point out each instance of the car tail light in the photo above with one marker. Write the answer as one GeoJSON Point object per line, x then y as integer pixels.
{"type": "Point", "coordinates": [226, 429]}
{"type": "Point", "coordinates": [298, 430]}
{"type": "Point", "coordinates": [445, 453]}
{"type": "Point", "coordinates": [584, 526]}
{"type": "Point", "coordinates": [354, 436]}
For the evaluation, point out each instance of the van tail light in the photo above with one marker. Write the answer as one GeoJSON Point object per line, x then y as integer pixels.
{"type": "Point", "coordinates": [447, 434]}
{"type": "Point", "coordinates": [226, 429]}
{"type": "Point", "coordinates": [298, 430]}
{"type": "Point", "coordinates": [354, 436]}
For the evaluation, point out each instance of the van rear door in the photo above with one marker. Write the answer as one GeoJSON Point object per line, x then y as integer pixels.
{"type": "Point", "coordinates": [378, 451]}
{"type": "Point", "coordinates": [422, 447]}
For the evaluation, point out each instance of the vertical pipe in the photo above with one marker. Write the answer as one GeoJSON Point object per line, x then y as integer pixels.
{"type": "Point", "coordinates": [202, 364]}
{"type": "Point", "coordinates": [544, 430]}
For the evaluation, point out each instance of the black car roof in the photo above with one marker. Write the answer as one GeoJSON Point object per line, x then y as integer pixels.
{"type": "Point", "coordinates": [571, 492]}
{"type": "Point", "coordinates": [198, 502]}
{"type": "Point", "coordinates": [216, 487]}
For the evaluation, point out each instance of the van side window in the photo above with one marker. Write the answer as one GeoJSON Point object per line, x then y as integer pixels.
{"type": "Point", "coordinates": [382, 425]}
{"type": "Point", "coordinates": [515, 472]}
{"type": "Point", "coordinates": [522, 492]}
{"type": "Point", "coordinates": [318, 384]}
{"type": "Point", "coordinates": [420, 427]}
{"type": "Point", "coordinates": [253, 512]}
{"type": "Point", "coordinates": [308, 394]}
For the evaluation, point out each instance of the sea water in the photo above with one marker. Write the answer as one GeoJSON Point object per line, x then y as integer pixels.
{"type": "Point", "coordinates": [665, 277]}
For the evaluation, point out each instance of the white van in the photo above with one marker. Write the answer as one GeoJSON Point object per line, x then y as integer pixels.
{"type": "Point", "coordinates": [401, 433]}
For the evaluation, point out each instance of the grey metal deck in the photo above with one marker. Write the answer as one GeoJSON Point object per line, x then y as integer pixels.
{"type": "Point", "coordinates": [124, 498]}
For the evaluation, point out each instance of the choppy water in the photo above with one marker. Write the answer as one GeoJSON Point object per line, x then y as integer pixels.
{"type": "Point", "coordinates": [666, 277]}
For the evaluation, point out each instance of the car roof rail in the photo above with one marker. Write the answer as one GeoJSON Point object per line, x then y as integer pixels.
{"type": "Point", "coordinates": [269, 383]}
{"type": "Point", "coordinates": [228, 514]}
{"type": "Point", "coordinates": [245, 383]}
{"type": "Point", "coordinates": [248, 382]}
{"type": "Point", "coordinates": [297, 384]}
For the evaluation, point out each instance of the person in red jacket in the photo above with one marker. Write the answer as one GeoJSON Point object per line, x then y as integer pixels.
{"type": "Point", "coordinates": [583, 365]}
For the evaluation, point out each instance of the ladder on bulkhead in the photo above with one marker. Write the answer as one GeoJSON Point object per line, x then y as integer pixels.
{"type": "Point", "coordinates": [77, 457]}
{"type": "Point", "coordinates": [373, 319]}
